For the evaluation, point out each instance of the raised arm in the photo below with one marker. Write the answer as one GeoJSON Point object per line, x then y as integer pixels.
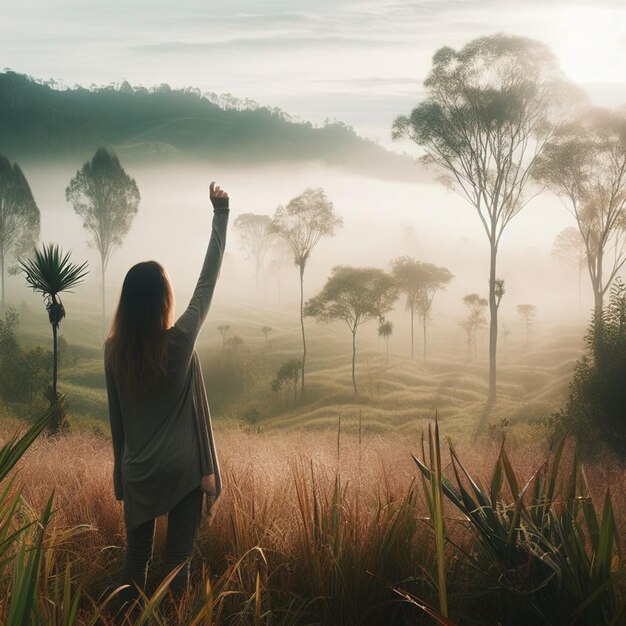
{"type": "Point", "coordinates": [191, 320]}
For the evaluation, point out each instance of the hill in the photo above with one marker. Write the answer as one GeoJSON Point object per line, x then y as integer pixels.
{"type": "Point", "coordinates": [38, 122]}
{"type": "Point", "coordinates": [398, 395]}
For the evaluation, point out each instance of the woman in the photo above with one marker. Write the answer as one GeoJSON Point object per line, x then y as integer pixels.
{"type": "Point", "coordinates": [164, 458]}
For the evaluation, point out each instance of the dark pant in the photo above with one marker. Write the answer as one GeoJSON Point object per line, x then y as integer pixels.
{"type": "Point", "coordinates": [182, 523]}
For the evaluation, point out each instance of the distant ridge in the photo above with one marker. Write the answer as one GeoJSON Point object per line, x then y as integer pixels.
{"type": "Point", "coordinates": [38, 122]}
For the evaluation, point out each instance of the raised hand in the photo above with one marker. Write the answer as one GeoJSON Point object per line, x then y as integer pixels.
{"type": "Point", "coordinates": [218, 197]}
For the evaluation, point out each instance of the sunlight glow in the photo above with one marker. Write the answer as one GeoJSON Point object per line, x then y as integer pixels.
{"type": "Point", "coordinates": [590, 43]}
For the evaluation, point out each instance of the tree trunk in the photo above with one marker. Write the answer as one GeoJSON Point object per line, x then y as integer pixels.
{"type": "Point", "coordinates": [387, 359]}
{"type": "Point", "coordinates": [598, 296]}
{"type": "Point", "coordinates": [104, 327]}
{"type": "Point", "coordinates": [55, 361]}
{"type": "Point", "coordinates": [424, 328]}
{"type": "Point", "coordinates": [2, 280]}
{"type": "Point", "coordinates": [302, 325]}
{"type": "Point", "coordinates": [580, 287]}
{"type": "Point", "coordinates": [493, 324]}
{"type": "Point", "coordinates": [412, 348]}
{"type": "Point", "coordinates": [354, 361]}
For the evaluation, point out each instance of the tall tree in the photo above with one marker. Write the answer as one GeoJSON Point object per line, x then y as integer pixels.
{"type": "Point", "coordinates": [585, 163]}
{"type": "Point", "coordinates": [489, 109]}
{"type": "Point", "coordinates": [354, 295]}
{"type": "Point", "coordinates": [527, 313]}
{"type": "Point", "coordinates": [302, 223]}
{"type": "Point", "coordinates": [107, 199]}
{"type": "Point", "coordinates": [569, 248]}
{"type": "Point", "coordinates": [52, 273]}
{"type": "Point", "coordinates": [19, 218]}
{"type": "Point", "coordinates": [419, 282]}
{"type": "Point", "coordinates": [281, 257]}
{"type": "Point", "coordinates": [474, 321]}
{"type": "Point", "coordinates": [256, 238]}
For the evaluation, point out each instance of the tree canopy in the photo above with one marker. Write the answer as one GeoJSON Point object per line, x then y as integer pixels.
{"type": "Point", "coordinates": [304, 221]}
{"type": "Point", "coordinates": [354, 295]}
{"type": "Point", "coordinates": [19, 217]}
{"type": "Point", "coordinates": [585, 163]}
{"type": "Point", "coordinates": [256, 238]}
{"type": "Point", "coordinates": [107, 200]}
{"type": "Point", "coordinates": [420, 282]}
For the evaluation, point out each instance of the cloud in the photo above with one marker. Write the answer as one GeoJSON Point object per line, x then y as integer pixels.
{"type": "Point", "coordinates": [277, 41]}
{"type": "Point", "coordinates": [373, 81]}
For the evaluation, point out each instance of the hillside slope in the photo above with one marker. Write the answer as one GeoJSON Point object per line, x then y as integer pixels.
{"type": "Point", "coordinates": [38, 123]}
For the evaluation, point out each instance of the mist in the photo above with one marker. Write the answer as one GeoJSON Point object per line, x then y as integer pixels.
{"type": "Point", "coordinates": [382, 220]}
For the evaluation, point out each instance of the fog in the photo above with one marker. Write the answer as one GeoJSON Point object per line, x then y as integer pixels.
{"type": "Point", "coordinates": [382, 220]}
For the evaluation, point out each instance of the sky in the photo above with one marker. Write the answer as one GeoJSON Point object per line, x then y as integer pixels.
{"type": "Point", "coordinates": [361, 62]}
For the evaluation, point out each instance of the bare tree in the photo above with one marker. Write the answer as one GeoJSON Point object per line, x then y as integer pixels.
{"type": "Point", "coordinates": [585, 163]}
{"type": "Point", "coordinates": [569, 248]}
{"type": "Point", "coordinates": [302, 223]}
{"type": "Point", "coordinates": [354, 295]}
{"type": "Point", "coordinates": [489, 110]}
{"type": "Point", "coordinates": [107, 199]}
{"type": "Point", "coordinates": [19, 218]}
{"type": "Point", "coordinates": [256, 238]}
{"type": "Point", "coordinates": [527, 313]}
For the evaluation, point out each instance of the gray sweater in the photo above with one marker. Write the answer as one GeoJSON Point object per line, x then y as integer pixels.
{"type": "Point", "coordinates": [162, 437]}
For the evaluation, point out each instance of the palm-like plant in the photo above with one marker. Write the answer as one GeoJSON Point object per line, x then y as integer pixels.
{"type": "Point", "coordinates": [51, 273]}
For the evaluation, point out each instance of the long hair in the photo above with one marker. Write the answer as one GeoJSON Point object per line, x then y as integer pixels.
{"type": "Point", "coordinates": [137, 342]}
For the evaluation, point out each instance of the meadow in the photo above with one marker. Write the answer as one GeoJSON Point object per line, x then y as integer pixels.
{"type": "Point", "coordinates": [326, 517]}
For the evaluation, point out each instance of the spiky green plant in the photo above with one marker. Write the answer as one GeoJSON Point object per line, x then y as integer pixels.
{"type": "Point", "coordinates": [545, 552]}
{"type": "Point", "coordinates": [51, 273]}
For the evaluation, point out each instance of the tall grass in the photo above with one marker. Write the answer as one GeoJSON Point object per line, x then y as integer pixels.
{"type": "Point", "coordinates": [327, 529]}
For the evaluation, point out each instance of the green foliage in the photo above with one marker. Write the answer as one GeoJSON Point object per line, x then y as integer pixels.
{"type": "Point", "coordinates": [353, 295]}
{"type": "Point", "coordinates": [51, 273]}
{"type": "Point", "coordinates": [287, 374]}
{"type": "Point", "coordinates": [19, 217]}
{"type": "Point", "coordinates": [304, 221]}
{"type": "Point", "coordinates": [595, 409]}
{"type": "Point", "coordinates": [232, 376]}
{"type": "Point", "coordinates": [107, 200]}
{"type": "Point", "coordinates": [24, 374]}
{"type": "Point", "coordinates": [546, 553]}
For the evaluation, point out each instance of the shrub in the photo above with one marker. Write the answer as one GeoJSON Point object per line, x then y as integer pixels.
{"type": "Point", "coordinates": [597, 394]}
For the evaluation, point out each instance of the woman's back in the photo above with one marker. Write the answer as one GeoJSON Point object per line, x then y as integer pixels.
{"type": "Point", "coordinates": [159, 455]}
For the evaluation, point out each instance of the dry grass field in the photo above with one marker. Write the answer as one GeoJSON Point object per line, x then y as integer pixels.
{"type": "Point", "coordinates": [312, 527]}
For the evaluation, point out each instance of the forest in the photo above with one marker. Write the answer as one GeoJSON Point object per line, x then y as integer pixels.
{"type": "Point", "coordinates": [414, 426]}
